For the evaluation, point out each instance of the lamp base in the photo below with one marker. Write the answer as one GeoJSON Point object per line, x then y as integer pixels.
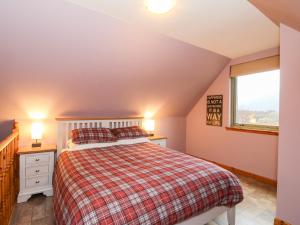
{"type": "Point", "coordinates": [151, 134]}
{"type": "Point", "coordinates": [36, 145]}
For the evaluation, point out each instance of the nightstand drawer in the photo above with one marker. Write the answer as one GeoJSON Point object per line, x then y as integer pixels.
{"type": "Point", "coordinates": [36, 170]}
{"type": "Point", "coordinates": [161, 142]}
{"type": "Point", "coordinates": [34, 159]}
{"type": "Point", "coordinates": [37, 182]}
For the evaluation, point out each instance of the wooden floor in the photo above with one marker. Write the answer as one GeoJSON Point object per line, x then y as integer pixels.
{"type": "Point", "coordinates": [258, 207]}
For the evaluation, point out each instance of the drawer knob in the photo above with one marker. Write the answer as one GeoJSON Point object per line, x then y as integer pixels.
{"type": "Point", "coordinates": [37, 159]}
{"type": "Point", "coordinates": [37, 171]}
{"type": "Point", "coordinates": [37, 182]}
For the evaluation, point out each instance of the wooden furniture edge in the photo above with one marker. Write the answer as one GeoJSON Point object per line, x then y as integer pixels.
{"type": "Point", "coordinates": [237, 171]}
{"type": "Point", "coordinates": [98, 118]}
{"type": "Point", "coordinates": [278, 221]}
{"type": "Point", "coordinates": [11, 137]}
{"type": "Point", "coordinates": [36, 150]}
{"type": "Point", "coordinates": [9, 175]}
{"type": "Point", "coordinates": [254, 131]}
{"type": "Point", "coordinates": [153, 138]}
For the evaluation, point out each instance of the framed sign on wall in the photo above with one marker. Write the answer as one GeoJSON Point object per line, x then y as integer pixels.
{"type": "Point", "coordinates": [214, 112]}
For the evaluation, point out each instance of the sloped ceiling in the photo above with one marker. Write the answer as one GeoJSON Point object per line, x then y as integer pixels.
{"type": "Point", "coordinates": [232, 28]}
{"type": "Point", "coordinates": [281, 11]}
{"type": "Point", "coordinates": [62, 59]}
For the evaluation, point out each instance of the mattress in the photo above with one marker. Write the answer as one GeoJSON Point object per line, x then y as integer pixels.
{"type": "Point", "coordinates": [138, 184]}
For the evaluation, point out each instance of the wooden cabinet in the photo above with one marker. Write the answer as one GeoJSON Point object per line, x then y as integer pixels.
{"type": "Point", "coordinates": [9, 176]}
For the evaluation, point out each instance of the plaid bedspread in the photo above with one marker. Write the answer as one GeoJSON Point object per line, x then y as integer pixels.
{"type": "Point", "coordinates": [138, 184]}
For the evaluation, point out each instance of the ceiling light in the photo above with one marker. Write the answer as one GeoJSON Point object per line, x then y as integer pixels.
{"type": "Point", "coordinates": [160, 6]}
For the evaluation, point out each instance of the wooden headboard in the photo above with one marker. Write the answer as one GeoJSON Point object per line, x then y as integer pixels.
{"type": "Point", "coordinates": [66, 125]}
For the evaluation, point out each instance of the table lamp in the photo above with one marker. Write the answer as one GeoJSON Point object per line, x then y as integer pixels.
{"type": "Point", "coordinates": [149, 126]}
{"type": "Point", "coordinates": [37, 129]}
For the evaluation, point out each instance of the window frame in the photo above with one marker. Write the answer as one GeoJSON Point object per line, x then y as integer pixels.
{"type": "Point", "coordinates": [233, 123]}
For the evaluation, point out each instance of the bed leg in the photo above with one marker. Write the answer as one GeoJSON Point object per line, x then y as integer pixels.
{"type": "Point", "coordinates": [231, 216]}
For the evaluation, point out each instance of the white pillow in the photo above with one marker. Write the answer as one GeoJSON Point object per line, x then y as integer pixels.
{"type": "Point", "coordinates": [71, 146]}
{"type": "Point", "coordinates": [131, 141]}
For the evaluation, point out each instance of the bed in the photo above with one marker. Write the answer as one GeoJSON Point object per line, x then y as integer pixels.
{"type": "Point", "coordinates": [140, 183]}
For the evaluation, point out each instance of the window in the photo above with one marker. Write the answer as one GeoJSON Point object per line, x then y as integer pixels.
{"type": "Point", "coordinates": [255, 98]}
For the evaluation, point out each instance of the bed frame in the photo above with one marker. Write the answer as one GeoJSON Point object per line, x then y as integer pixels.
{"type": "Point", "coordinates": [66, 125]}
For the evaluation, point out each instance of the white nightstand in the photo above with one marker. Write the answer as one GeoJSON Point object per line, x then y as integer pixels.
{"type": "Point", "coordinates": [159, 140]}
{"type": "Point", "coordinates": [36, 170]}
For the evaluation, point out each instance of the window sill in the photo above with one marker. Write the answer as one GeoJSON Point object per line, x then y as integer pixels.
{"type": "Point", "coordinates": [255, 131]}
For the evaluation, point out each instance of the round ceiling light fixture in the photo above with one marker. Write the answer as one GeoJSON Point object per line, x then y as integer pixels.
{"type": "Point", "coordinates": [160, 6]}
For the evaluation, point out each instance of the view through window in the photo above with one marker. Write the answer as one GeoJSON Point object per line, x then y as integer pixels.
{"type": "Point", "coordinates": [256, 99]}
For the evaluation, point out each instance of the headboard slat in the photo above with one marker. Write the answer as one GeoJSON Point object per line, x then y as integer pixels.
{"type": "Point", "coordinates": [65, 126]}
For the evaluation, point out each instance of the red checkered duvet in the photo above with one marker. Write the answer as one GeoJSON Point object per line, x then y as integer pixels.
{"type": "Point", "coordinates": [138, 184]}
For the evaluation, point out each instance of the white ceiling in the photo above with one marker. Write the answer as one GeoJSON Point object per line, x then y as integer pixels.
{"type": "Point", "coordinates": [231, 28]}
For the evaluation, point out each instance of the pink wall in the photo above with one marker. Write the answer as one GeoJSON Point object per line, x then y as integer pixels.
{"type": "Point", "coordinates": [254, 153]}
{"type": "Point", "coordinates": [173, 127]}
{"type": "Point", "coordinates": [288, 151]}
{"type": "Point", "coordinates": [61, 59]}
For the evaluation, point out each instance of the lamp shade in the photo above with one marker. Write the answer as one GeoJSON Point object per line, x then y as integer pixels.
{"type": "Point", "coordinates": [149, 125]}
{"type": "Point", "coordinates": [160, 6]}
{"type": "Point", "coordinates": [37, 129]}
